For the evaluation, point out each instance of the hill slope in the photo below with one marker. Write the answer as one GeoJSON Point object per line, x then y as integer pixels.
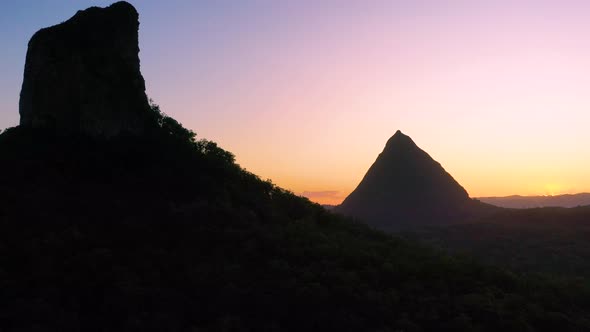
{"type": "Point", "coordinates": [166, 233]}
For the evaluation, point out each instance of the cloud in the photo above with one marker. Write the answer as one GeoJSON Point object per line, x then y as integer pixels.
{"type": "Point", "coordinates": [321, 194]}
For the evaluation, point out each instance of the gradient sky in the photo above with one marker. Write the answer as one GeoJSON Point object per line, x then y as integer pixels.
{"type": "Point", "coordinates": [306, 93]}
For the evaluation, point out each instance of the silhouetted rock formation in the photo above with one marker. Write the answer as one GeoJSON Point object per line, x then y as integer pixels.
{"type": "Point", "coordinates": [83, 75]}
{"type": "Point", "coordinates": [406, 187]}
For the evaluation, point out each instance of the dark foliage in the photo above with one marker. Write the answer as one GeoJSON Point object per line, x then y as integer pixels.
{"type": "Point", "coordinates": [554, 241]}
{"type": "Point", "coordinates": [167, 233]}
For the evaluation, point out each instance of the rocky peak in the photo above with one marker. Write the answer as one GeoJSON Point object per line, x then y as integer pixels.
{"type": "Point", "coordinates": [399, 140]}
{"type": "Point", "coordinates": [405, 186]}
{"type": "Point", "coordinates": [83, 75]}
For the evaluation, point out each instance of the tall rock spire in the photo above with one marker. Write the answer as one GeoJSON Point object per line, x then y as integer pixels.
{"type": "Point", "coordinates": [83, 75]}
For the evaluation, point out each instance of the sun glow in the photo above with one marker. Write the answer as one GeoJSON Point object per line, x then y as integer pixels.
{"type": "Point", "coordinates": [553, 189]}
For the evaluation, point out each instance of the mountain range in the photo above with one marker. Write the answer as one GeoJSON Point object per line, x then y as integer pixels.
{"type": "Point", "coordinates": [526, 202]}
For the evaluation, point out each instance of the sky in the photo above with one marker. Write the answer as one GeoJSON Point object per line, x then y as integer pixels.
{"type": "Point", "coordinates": [307, 92]}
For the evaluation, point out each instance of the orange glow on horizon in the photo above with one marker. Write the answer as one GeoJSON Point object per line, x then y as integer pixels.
{"type": "Point", "coordinates": [334, 197]}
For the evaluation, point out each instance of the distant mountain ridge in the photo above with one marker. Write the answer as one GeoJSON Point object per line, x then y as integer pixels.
{"type": "Point", "coordinates": [526, 202]}
{"type": "Point", "coordinates": [405, 187]}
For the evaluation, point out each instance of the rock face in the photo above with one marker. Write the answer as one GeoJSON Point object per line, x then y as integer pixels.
{"type": "Point", "coordinates": [405, 187]}
{"type": "Point", "coordinates": [83, 75]}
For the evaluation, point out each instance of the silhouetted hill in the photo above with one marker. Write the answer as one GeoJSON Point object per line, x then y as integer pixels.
{"type": "Point", "coordinates": [526, 202]}
{"type": "Point", "coordinates": [405, 187]}
{"type": "Point", "coordinates": [165, 233]}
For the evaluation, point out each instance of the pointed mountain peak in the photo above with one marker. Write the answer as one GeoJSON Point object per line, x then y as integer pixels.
{"type": "Point", "coordinates": [406, 186]}
{"type": "Point", "coordinates": [399, 140]}
{"type": "Point", "coordinates": [399, 135]}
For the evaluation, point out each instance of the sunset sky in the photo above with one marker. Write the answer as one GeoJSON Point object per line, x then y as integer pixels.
{"type": "Point", "coordinates": [306, 93]}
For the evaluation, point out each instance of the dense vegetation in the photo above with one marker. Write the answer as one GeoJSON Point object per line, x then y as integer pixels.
{"type": "Point", "coordinates": [167, 233]}
{"type": "Point", "coordinates": [553, 241]}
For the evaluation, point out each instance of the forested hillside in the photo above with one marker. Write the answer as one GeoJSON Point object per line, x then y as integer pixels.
{"type": "Point", "coordinates": [553, 241]}
{"type": "Point", "coordinates": [164, 232]}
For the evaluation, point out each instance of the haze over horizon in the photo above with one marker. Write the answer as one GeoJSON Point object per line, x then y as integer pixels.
{"type": "Point", "coordinates": [307, 93]}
